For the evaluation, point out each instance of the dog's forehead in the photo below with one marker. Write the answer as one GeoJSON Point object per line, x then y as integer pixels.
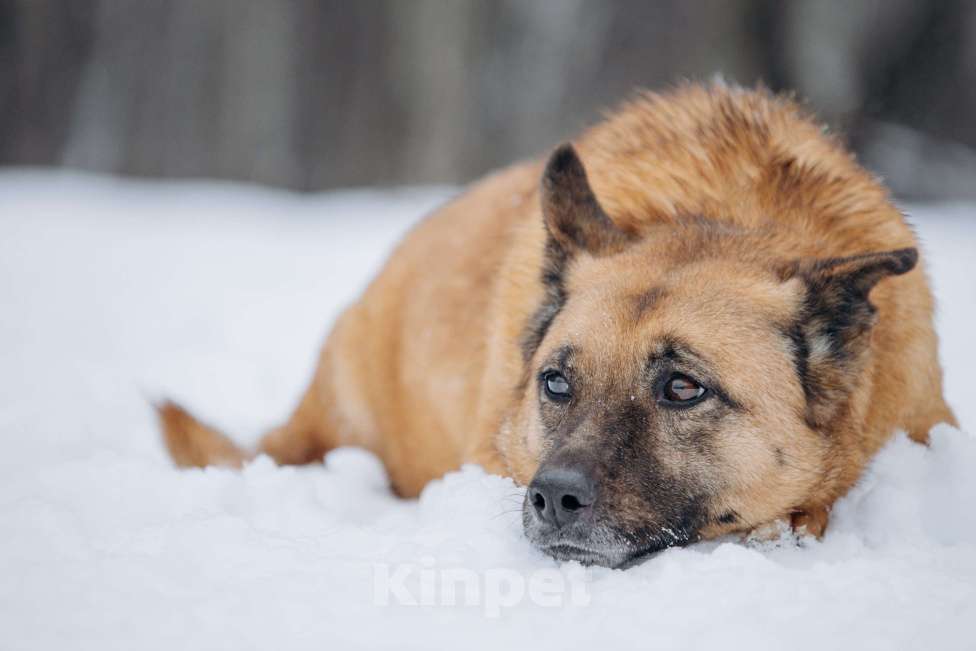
{"type": "Point", "coordinates": [728, 312]}
{"type": "Point", "coordinates": [627, 293]}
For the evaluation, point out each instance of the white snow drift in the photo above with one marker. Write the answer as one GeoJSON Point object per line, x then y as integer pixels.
{"type": "Point", "coordinates": [115, 293]}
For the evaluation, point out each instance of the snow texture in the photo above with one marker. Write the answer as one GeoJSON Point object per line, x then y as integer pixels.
{"type": "Point", "coordinates": [113, 293]}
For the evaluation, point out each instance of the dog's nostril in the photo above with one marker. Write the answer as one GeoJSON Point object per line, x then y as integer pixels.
{"type": "Point", "coordinates": [538, 501]}
{"type": "Point", "coordinates": [570, 503]}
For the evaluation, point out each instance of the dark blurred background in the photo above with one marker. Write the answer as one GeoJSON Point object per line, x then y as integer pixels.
{"type": "Point", "coordinates": [320, 94]}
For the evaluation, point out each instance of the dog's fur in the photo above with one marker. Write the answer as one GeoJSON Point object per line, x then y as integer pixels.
{"type": "Point", "coordinates": [716, 232]}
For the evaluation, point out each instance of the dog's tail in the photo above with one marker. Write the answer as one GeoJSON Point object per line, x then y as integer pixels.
{"type": "Point", "coordinates": [193, 444]}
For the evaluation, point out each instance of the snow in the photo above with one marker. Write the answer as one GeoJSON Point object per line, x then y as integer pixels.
{"type": "Point", "coordinates": [113, 293]}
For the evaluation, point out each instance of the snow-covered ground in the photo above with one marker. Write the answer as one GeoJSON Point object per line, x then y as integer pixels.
{"type": "Point", "coordinates": [114, 293]}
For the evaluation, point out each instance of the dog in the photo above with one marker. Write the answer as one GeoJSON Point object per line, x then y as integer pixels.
{"type": "Point", "coordinates": [704, 320]}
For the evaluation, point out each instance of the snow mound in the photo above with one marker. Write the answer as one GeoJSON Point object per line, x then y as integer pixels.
{"type": "Point", "coordinates": [114, 293]}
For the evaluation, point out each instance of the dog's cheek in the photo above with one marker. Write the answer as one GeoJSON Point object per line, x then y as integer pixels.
{"type": "Point", "coordinates": [765, 472]}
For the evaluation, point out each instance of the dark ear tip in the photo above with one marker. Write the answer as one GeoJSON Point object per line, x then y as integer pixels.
{"type": "Point", "coordinates": [563, 159]}
{"type": "Point", "coordinates": [905, 260]}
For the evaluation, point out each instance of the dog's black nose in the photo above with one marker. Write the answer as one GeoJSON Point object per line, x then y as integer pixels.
{"type": "Point", "coordinates": [561, 494]}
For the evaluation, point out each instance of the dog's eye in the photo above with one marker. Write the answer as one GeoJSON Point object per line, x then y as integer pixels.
{"type": "Point", "coordinates": [682, 390]}
{"type": "Point", "coordinates": [557, 386]}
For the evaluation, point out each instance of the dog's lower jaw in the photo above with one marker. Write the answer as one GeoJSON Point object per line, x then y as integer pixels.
{"type": "Point", "coordinates": [619, 556]}
{"type": "Point", "coordinates": [583, 555]}
{"type": "Point", "coordinates": [602, 545]}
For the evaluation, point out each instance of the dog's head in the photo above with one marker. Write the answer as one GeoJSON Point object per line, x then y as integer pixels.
{"type": "Point", "coordinates": [678, 385]}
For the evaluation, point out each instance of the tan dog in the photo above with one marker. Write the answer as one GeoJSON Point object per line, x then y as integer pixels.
{"type": "Point", "coordinates": [675, 344]}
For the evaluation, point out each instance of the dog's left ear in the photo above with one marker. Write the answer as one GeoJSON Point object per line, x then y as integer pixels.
{"type": "Point", "coordinates": [573, 216]}
{"type": "Point", "coordinates": [836, 316]}
{"type": "Point", "coordinates": [837, 289]}
{"type": "Point", "coordinates": [857, 275]}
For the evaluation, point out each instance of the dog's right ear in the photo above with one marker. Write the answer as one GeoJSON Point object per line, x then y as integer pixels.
{"type": "Point", "coordinates": [575, 222]}
{"type": "Point", "coordinates": [574, 218]}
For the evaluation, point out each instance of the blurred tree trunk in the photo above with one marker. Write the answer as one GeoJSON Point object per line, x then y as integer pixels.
{"type": "Point", "coordinates": [315, 94]}
{"type": "Point", "coordinates": [44, 46]}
